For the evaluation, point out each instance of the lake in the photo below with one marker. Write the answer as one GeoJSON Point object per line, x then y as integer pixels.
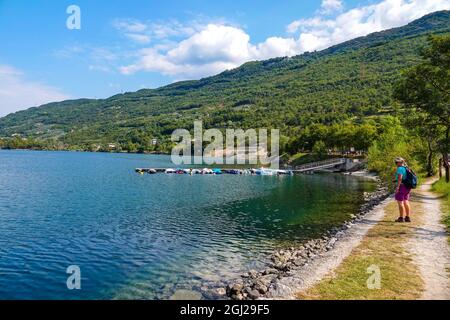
{"type": "Point", "coordinates": [147, 236]}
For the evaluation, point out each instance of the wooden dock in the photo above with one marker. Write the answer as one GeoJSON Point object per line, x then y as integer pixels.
{"type": "Point", "coordinates": [319, 165]}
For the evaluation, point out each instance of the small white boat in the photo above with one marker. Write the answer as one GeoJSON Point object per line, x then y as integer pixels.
{"type": "Point", "coordinates": [207, 171]}
{"type": "Point", "coordinates": [170, 171]}
{"type": "Point", "coordinates": [266, 172]}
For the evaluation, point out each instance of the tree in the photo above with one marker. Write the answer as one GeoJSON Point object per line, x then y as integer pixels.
{"type": "Point", "coordinates": [424, 127]}
{"type": "Point", "coordinates": [392, 143]}
{"type": "Point", "coordinates": [364, 136]}
{"type": "Point", "coordinates": [426, 87]}
{"type": "Point", "coordinates": [320, 149]}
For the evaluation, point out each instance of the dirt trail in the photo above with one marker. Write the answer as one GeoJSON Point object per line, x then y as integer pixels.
{"type": "Point", "coordinates": [429, 246]}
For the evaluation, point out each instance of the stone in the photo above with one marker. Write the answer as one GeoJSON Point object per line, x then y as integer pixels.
{"type": "Point", "coordinates": [270, 271]}
{"type": "Point", "coordinates": [254, 294]}
{"type": "Point", "coordinates": [332, 241]}
{"type": "Point", "coordinates": [221, 291]}
{"type": "Point", "coordinates": [253, 274]}
{"type": "Point", "coordinates": [239, 297]}
{"type": "Point", "coordinates": [234, 289]}
{"type": "Point", "coordinates": [262, 289]}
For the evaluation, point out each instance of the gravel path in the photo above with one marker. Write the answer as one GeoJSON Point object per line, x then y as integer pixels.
{"type": "Point", "coordinates": [429, 246]}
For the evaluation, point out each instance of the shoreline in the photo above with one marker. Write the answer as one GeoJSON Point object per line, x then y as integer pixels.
{"type": "Point", "coordinates": [87, 151]}
{"type": "Point", "coordinates": [297, 268]}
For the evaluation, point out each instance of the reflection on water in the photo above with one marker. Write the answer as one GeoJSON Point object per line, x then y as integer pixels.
{"type": "Point", "coordinates": [142, 237]}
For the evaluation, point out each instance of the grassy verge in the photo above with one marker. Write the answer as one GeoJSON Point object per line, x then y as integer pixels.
{"type": "Point", "coordinates": [443, 188]}
{"type": "Point", "coordinates": [384, 247]}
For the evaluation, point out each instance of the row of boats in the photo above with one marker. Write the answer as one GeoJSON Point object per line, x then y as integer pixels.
{"type": "Point", "coordinates": [208, 171]}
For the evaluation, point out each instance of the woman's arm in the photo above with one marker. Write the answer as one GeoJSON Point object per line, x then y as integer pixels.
{"type": "Point", "coordinates": [399, 182]}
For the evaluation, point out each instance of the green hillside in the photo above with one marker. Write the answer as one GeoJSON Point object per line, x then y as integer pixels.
{"type": "Point", "coordinates": [348, 82]}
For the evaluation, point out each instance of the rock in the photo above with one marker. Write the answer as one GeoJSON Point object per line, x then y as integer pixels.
{"type": "Point", "coordinates": [267, 279]}
{"type": "Point", "coordinates": [299, 262]}
{"type": "Point", "coordinates": [262, 289]}
{"type": "Point", "coordinates": [234, 289]}
{"type": "Point", "coordinates": [332, 241]}
{"type": "Point", "coordinates": [254, 294]}
{"type": "Point", "coordinates": [221, 291]}
{"type": "Point", "coordinates": [270, 271]}
{"type": "Point", "coordinates": [237, 287]}
{"type": "Point", "coordinates": [253, 274]}
{"type": "Point", "coordinates": [237, 297]}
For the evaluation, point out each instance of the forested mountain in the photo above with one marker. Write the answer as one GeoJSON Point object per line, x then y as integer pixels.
{"type": "Point", "coordinates": [348, 82]}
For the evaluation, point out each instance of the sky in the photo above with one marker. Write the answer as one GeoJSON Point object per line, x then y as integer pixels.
{"type": "Point", "coordinates": [49, 52]}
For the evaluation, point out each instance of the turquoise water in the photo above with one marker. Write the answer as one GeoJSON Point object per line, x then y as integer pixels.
{"type": "Point", "coordinates": [144, 237]}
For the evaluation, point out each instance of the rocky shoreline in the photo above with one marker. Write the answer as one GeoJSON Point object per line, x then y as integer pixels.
{"type": "Point", "coordinates": [286, 262]}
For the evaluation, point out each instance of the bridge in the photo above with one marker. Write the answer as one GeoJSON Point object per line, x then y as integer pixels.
{"type": "Point", "coordinates": [319, 165]}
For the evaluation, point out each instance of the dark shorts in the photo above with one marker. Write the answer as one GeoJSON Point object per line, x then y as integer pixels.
{"type": "Point", "coordinates": [403, 194]}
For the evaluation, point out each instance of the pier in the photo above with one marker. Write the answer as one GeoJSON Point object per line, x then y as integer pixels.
{"type": "Point", "coordinates": [320, 165]}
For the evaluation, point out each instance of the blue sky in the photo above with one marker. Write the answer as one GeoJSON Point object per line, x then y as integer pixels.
{"type": "Point", "coordinates": [125, 46]}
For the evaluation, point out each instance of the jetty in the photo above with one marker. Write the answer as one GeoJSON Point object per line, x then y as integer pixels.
{"type": "Point", "coordinates": [337, 164]}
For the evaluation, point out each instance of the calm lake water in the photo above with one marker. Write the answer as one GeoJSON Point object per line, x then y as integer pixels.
{"type": "Point", "coordinates": [144, 237]}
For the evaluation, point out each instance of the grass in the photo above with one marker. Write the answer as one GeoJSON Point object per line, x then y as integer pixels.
{"type": "Point", "coordinates": [443, 188]}
{"type": "Point", "coordinates": [384, 247]}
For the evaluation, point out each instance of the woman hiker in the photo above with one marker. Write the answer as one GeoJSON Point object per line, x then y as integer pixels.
{"type": "Point", "coordinates": [402, 192]}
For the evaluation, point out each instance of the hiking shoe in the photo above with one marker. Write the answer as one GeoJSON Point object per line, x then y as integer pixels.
{"type": "Point", "coordinates": [407, 219]}
{"type": "Point", "coordinates": [400, 220]}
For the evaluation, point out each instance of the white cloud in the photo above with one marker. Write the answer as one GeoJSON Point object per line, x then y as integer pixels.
{"type": "Point", "coordinates": [319, 33]}
{"type": "Point", "coordinates": [139, 38]}
{"type": "Point", "coordinates": [129, 25]}
{"type": "Point", "coordinates": [330, 6]}
{"type": "Point", "coordinates": [18, 93]}
{"type": "Point", "coordinates": [215, 47]}
{"type": "Point", "coordinates": [144, 32]}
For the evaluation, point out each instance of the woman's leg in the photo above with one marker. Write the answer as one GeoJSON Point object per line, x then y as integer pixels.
{"type": "Point", "coordinates": [407, 208]}
{"type": "Point", "coordinates": [401, 208]}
